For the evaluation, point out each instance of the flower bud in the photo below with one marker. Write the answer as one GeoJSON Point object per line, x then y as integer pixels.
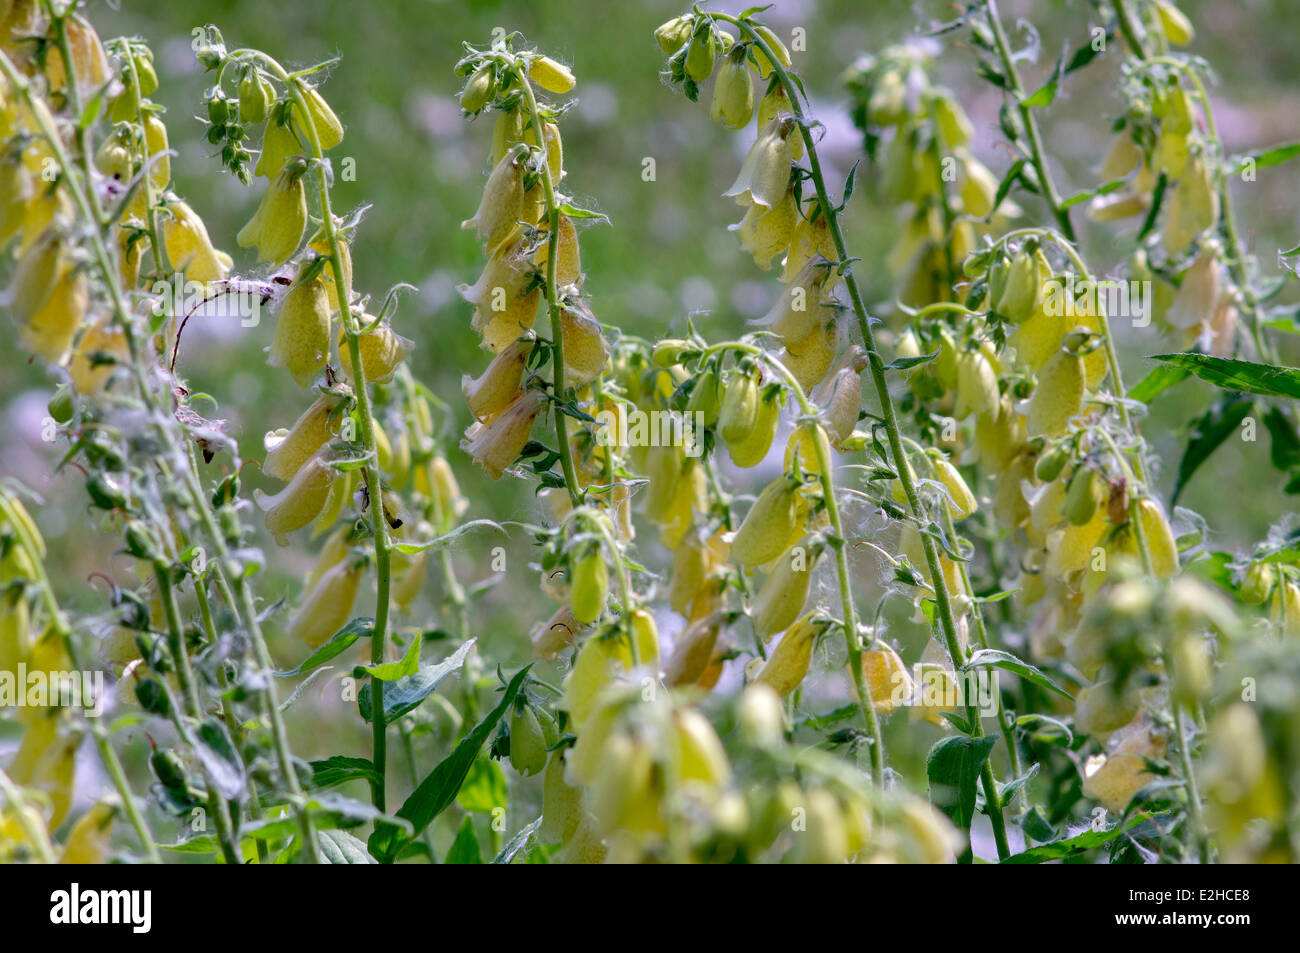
{"type": "Point", "coordinates": [702, 53]}
{"type": "Point", "coordinates": [1086, 492]}
{"type": "Point", "coordinates": [781, 598]}
{"type": "Point", "coordinates": [1257, 583]}
{"type": "Point", "coordinates": [1285, 610]}
{"type": "Point", "coordinates": [954, 128]}
{"type": "Point", "coordinates": [752, 450]}
{"type": "Point", "coordinates": [478, 91]}
{"type": "Point", "coordinates": [1178, 29]}
{"type": "Point", "coordinates": [765, 174]}
{"type": "Point", "coordinates": [527, 740]}
{"type": "Point", "coordinates": [277, 226]}
{"type": "Point", "coordinates": [498, 443]}
{"type": "Point", "coordinates": [1051, 463]}
{"type": "Point", "coordinates": [1058, 396]}
{"type": "Point", "coordinates": [279, 142]}
{"type": "Point", "coordinates": [700, 756]}
{"type": "Point", "coordinates": [382, 352]}
{"type": "Point", "coordinates": [301, 501]}
{"type": "Point", "coordinates": [1159, 535]}
{"type": "Point", "coordinates": [977, 385]}
{"type": "Point", "coordinates": [329, 130]}
{"type": "Point", "coordinates": [766, 529]}
{"type": "Point", "coordinates": [778, 50]}
{"type": "Point", "coordinates": [155, 136]}
{"type": "Point", "coordinates": [255, 96]}
{"type": "Point", "coordinates": [691, 564]}
{"type": "Point", "coordinates": [499, 384]}
{"type": "Point", "coordinates": [1021, 294]}
{"type": "Point", "coordinates": [733, 92]}
{"type": "Point", "coordinates": [674, 34]}
{"type": "Point", "coordinates": [551, 76]}
{"type": "Point", "coordinates": [589, 587]}
{"type": "Point", "coordinates": [302, 332]}
{"type": "Point", "coordinates": [739, 413]}
{"type": "Point", "coordinates": [327, 607]}
{"type": "Point", "coordinates": [961, 500]}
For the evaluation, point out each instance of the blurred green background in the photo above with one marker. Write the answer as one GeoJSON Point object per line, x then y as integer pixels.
{"type": "Point", "coordinates": [667, 254]}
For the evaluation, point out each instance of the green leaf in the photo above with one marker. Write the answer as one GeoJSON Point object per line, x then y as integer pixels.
{"type": "Point", "coordinates": [439, 789]}
{"type": "Point", "coordinates": [340, 847]}
{"type": "Point", "coordinates": [465, 848]}
{"type": "Point", "coordinates": [575, 211]}
{"type": "Point", "coordinates": [1045, 94]}
{"type": "Point", "coordinates": [338, 643]}
{"type": "Point", "coordinates": [903, 363]}
{"type": "Point", "coordinates": [339, 769]}
{"type": "Point", "coordinates": [1004, 188]}
{"type": "Point", "coordinates": [1079, 844]}
{"type": "Point", "coordinates": [407, 693]}
{"type": "Point", "coordinates": [1005, 660]}
{"type": "Point", "coordinates": [1267, 158]}
{"type": "Point", "coordinates": [447, 538]}
{"type": "Point", "coordinates": [408, 664]}
{"type": "Point", "coordinates": [517, 843]}
{"type": "Point", "coordinates": [953, 767]}
{"type": "Point", "coordinates": [221, 762]}
{"type": "Point", "coordinates": [1209, 431]}
{"type": "Point", "coordinates": [1103, 189]}
{"type": "Point", "coordinates": [1159, 380]}
{"type": "Point", "coordinates": [484, 789]}
{"type": "Point", "coordinates": [1268, 380]}
{"type": "Point", "coordinates": [1285, 446]}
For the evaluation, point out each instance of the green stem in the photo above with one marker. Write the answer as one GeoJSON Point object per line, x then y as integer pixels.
{"type": "Point", "coordinates": [552, 291]}
{"type": "Point", "coordinates": [1037, 154]}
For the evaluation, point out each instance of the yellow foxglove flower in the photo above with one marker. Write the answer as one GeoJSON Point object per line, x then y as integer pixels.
{"type": "Point", "coordinates": [810, 358]}
{"type": "Point", "coordinates": [568, 268]}
{"type": "Point", "coordinates": [700, 755]}
{"type": "Point", "coordinates": [189, 249]}
{"type": "Point", "coordinates": [693, 651]}
{"type": "Point", "coordinates": [589, 586]}
{"type": "Point", "coordinates": [787, 666]}
{"type": "Point", "coordinates": [301, 501]}
{"type": "Point", "coordinates": [88, 841]}
{"type": "Point", "coordinates": [321, 246]}
{"type": "Point", "coordinates": [979, 188]}
{"type": "Point", "coordinates": [1023, 289]}
{"type": "Point", "coordinates": [781, 598]}
{"type": "Point", "coordinates": [1193, 208]}
{"type": "Point", "coordinates": [410, 573]}
{"type": "Point", "coordinates": [733, 92]}
{"type": "Point", "coordinates": [775, 104]}
{"type": "Point", "coordinates": [277, 226]}
{"type": "Point", "coordinates": [382, 352]}
{"type": "Point", "coordinates": [766, 529]}
{"type": "Point", "coordinates": [802, 308]}
{"type": "Point", "coordinates": [585, 352]}
{"type": "Point", "coordinates": [811, 239]}
{"type": "Point", "coordinates": [302, 332]}
{"type": "Point", "coordinates": [89, 62]}
{"type": "Point", "coordinates": [1122, 772]}
{"type": "Point", "coordinates": [766, 233]}
{"type": "Point", "coordinates": [327, 607]}
{"type": "Point", "coordinates": [551, 76]}
{"type": "Point", "coordinates": [886, 677]}
{"type": "Point", "coordinates": [1058, 396]}
{"type": "Point", "coordinates": [16, 190]}
{"type": "Point", "coordinates": [328, 128]}
{"type": "Point", "coordinates": [37, 274]}
{"type": "Point", "coordinates": [500, 384]}
{"type": "Point", "coordinates": [497, 443]}
{"type": "Point", "coordinates": [288, 450]}
{"type": "Point", "coordinates": [1193, 306]}
{"type": "Point", "coordinates": [505, 297]}
{"type": "Point", "coordinates": [841, 396]}
{"type": "Point", "coordinates": [279, 143]}
{"type": "Point", "coordinates": [101, 349]}
{"type": "Point", "coordinates": [49, 332]}
{"type": "Point", "coordinates": [502, 207]}
{"type": "Point", "coordinates": [765, 173]}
